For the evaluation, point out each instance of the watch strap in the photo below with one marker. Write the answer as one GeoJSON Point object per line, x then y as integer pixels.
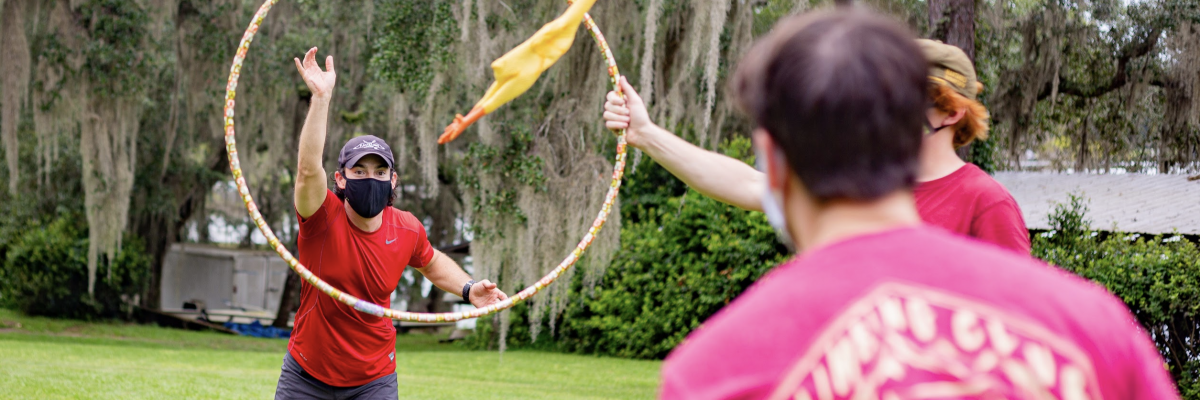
{"type": "Point", "coordinates": [466, 292]}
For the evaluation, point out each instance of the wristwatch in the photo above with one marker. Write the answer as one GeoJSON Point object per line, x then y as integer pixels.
{"type": "Point", "coordinates": [466, 293]}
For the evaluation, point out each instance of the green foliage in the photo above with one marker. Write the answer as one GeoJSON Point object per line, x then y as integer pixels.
{"type": "Point", "coordinates": [117, 64]}
{"type": "Point", "coordinates": [45, 273]}
{"type": "Point", "coordinates": [646, 188]}
{"type": "Point", "coordinates": [674, 271]}
{"type": "Point", "coordinates": [412, 41]}
{"type": "Point", "coordinates": [983, 155]}
{"type": "Point", "coordinates": [512, 161]}
{"type": "Point", "coordinates": [1158, 278]}
{"type": "Point", "coordinates": [486, 336]}
{"type": "Point", "coordinates": [1070, 222]}
{"type": "Point", "coordinates": [682, 258]}
{"type": "Point", "coordinates": [210, 40]}
{"type": "Point", "coordinates": [514, 165]}
{"type": "Point", "coordinates": [51, 50]}
{"type": "Point", "coordinates": [768, 12]}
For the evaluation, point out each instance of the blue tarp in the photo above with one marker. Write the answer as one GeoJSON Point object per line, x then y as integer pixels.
{"type": "Point", "coordinates": [258, 330]}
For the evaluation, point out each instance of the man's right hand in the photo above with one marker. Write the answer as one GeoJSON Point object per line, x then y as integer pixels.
{"type": "Point", "coordinates": [319, 82]}
{"type": "Point", "coordinates": [628, 113]}
{"type": "Point", "coordinates": [311, 188]}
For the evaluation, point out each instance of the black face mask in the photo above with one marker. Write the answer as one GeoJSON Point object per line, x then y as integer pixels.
{"type": "Point", "coordinates": [367, 196]}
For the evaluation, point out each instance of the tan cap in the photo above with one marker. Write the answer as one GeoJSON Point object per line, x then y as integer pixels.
{"type": "Point", "coordinates": [949, 65]}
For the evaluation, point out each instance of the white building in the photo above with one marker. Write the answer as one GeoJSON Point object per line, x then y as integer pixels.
{"type": "Point", "coordinates": [1154, 204]}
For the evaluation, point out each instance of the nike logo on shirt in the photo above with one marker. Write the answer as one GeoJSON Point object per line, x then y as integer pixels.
{"type": "Point", "coordinates": [390, 241]}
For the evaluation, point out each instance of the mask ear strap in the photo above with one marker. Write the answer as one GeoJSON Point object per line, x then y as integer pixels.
{"type": "Point", "coordinates": [772, 207]}
{"type": "Point", "coordinates": [931, 130]}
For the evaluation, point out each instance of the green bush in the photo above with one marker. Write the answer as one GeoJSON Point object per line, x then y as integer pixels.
{"type": "Point", "coordinates": [45, 273]}
{"type": "Point", "coordinates": [683, 256]}
{"type": "Point", "coordinates": [1157, 277]}
{"type": "Point", "coordinates": [674, 271]}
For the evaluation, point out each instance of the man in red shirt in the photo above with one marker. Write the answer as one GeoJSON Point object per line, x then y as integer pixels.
{"type": "Point", "coordinates": [876, 305]}
{"type": "Point", "coordinates": [953, 194]}
{"type": "Point", "coordinates": [354, 239]}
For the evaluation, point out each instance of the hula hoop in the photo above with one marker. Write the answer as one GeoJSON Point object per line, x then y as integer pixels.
{"type": "Point", "coordinates": [375, 309]}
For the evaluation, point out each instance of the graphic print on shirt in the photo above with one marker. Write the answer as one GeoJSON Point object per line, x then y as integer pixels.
{"type": "Point", "coordinates": [907, 342]}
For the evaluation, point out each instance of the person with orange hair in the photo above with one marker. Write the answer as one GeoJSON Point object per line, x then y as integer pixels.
{"type": "Point", "coordinates": [951, 194]}
{"type": "Point", "coordinates": [877, 306]}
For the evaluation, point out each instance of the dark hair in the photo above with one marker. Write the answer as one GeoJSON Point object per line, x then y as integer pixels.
{"type": "Point", "coordinates": [342, 196]}
{"type": "Point", "coordinates": [843, 93]}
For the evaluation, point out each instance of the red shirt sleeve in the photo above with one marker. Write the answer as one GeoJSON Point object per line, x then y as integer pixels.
{"type": "Point", "coordinates": [1002, 224]}
{"type": "Point", "coordinates": [317, 223]}
{"type": "Point", "coordinates": [423, 252]}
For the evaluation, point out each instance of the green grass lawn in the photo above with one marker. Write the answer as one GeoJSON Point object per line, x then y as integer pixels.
{"type": "Point", "coordinates": [44, 358]}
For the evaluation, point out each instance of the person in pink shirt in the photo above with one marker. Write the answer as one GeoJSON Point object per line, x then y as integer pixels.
{"type": "Point", "coordinates": [952, 194]}
{"type": "Point", "coordinates": [877, 305]}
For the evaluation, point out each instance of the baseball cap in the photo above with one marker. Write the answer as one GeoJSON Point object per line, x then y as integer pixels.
{"type": "Point", "coordinates": [356, 148]}
{"type": "Point", "coordinates": [950, 66]}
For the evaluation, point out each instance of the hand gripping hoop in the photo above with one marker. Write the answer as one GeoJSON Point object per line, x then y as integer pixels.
{"type": "Point", "coordinates": [375, 309]}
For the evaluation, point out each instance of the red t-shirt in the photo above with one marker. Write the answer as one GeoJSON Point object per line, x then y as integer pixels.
{"type": "Point", "coordinates": [918, 313]}
{"type": "Point", "coordinates": [969, 202]}
{"type": "Point", "coordinates": [333, 342]}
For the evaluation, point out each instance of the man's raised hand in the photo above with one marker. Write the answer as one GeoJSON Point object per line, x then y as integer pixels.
{"type": "Point", "coordinates": [318, 81]}
{"type": "Point", "coordinates": [485, 293]}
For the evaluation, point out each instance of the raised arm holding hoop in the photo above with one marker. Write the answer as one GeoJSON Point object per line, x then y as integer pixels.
{"type": "Point", "coordinates": [358, 366]}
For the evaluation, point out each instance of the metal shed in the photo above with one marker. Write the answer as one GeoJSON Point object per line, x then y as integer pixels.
{"type": "Point", "coordinates": [250, 280]}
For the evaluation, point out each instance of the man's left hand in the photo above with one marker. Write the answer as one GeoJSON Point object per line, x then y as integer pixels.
{"type": "Point", "coordinates": [485, 293]}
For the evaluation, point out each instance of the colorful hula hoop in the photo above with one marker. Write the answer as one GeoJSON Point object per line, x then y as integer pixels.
{"type": "Point", "coordinates": [375, 309]}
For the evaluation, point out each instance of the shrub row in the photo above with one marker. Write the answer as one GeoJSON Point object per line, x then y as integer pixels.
{"type": "Point", "coordinates": [44, 271]}
{"type": "Point", "coordinates": [1158, 277]}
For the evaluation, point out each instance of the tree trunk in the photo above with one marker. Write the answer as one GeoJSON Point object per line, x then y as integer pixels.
{"type": "Point", "coordinates": [1014, 144]}
{"type": "Point", "coordinates": [953, 22]}
{"type": "Point", "coordinates": [160, 231]}
{"type": "Point", "coordinates": [1173, 135]}
{"type": "Point", "coordinates": [1081, 159]}
{"type": "Point", "coordinates": [14, 85]}
{"type": "Point", "coordinates": [290, 300]}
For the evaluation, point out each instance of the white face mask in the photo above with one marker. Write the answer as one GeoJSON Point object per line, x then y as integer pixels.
{"type": "Point", "coordinates": [770, 204]}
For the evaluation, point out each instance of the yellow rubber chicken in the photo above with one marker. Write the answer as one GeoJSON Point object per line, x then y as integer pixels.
{"type": "Point", "coordinates": [516, 71]}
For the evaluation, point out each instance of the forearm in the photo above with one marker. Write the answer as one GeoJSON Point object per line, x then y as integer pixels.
{"type": "Point", "coordinates": [312, 135]}
{"type": "Point", "coordinates": [310, 174]}
{"type": "Point", "coordinates": [713, 174]}
{"type": "Point", "coordinates": [445, 273]}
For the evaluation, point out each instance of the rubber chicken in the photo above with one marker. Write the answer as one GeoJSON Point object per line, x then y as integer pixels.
{"type": "Point", "coordinates": [516, 71]}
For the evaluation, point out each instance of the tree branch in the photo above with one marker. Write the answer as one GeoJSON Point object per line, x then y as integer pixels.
{"type": "Point", "coordinates": [1119, 80]}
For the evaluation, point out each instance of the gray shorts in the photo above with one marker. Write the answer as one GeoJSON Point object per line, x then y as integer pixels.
{"type": "Point", "coordinates": [294, 383]}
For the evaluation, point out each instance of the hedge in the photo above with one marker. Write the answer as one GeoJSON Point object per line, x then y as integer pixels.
{"type": "Point", "coordinates": [1158, 277]}
{"type": "Point", "coordinates": [44, 272]}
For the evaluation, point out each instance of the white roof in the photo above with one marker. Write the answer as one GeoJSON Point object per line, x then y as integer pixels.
{"type": "Point", "coordinates": [1132, 202]}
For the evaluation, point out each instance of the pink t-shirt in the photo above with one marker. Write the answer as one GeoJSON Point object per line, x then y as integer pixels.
{"type": "Point", "coordinates": [918, 313]}
{"type": "Point", "coordinates": [969, 202]}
